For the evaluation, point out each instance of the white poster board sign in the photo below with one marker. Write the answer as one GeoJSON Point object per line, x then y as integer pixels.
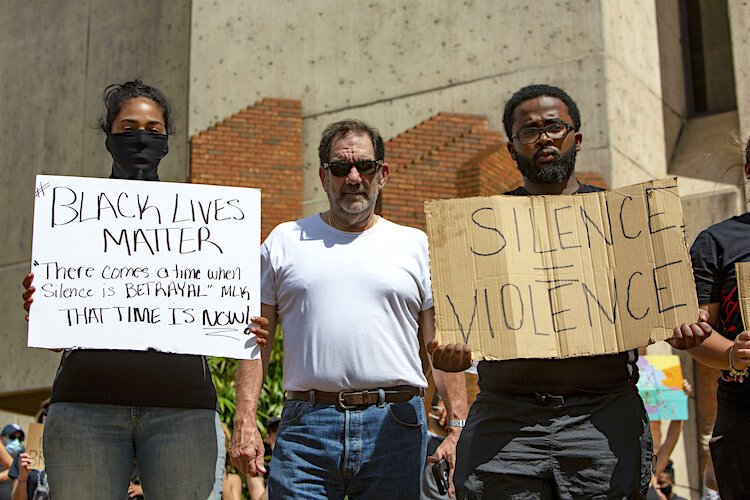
{"type": "Point", "coordinates": [138, 265]}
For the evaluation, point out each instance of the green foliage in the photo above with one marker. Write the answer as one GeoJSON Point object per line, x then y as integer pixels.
{"type": "Point", "coordinates": [223, 371]}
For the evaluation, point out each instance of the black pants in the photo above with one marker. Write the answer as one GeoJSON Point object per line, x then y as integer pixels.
{"type": "Point", "coordinates": [729, 448]}
{"type": "Point", "coordinates": [534, 446]}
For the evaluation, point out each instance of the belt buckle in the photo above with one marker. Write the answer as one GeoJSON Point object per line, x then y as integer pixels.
{"type": "Point", "coordinates": [341, 403]}
{"type": "Point", "coordinates": [553, 400]}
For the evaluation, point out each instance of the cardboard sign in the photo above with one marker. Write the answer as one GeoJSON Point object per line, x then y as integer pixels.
{"type": "Point", "coordinates": [660, 387]}
{"type": "Point", "coordinates": [742, 271]}
{"type": "Point", "coordinates": [558, 276]}
{"type": "Point", "coordinates": [34, 445]}
{"type": "Point", "coordinates": [145, 265]}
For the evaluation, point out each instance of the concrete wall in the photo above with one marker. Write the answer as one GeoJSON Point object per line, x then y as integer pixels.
{"type": "Point", "coordinates": [674, 106]}
{"type": "Point", "coordinates": [57, 57]}
{"type": "Point", "coordinates": [634, 93]}
{"type": "Point", "coordinates": [394, 63]}
{"type": "Point", "coordinates": [739, 25]}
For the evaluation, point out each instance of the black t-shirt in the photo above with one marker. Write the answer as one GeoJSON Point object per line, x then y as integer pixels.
{"type": "Point", "coordinates": [595, 374]}
{"type": "Point", "coordinates": [134, 378]}
{"type": "Point", "coordinates": [714, 254]}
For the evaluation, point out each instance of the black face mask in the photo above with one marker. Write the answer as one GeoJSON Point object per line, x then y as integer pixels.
{"type": "Point", "coordinates": [137, 154]}
{"type": "Point", "coordinates": [666, 490]}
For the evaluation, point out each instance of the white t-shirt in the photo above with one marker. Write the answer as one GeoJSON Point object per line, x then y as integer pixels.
{"type": "Point", "coordinates": [348, 303]}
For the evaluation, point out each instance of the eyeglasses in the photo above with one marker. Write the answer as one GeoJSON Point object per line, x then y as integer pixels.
{"type": "Point", "coordinates": [342, 168]}
{"type": "Point", "coordinates": [555, 131]}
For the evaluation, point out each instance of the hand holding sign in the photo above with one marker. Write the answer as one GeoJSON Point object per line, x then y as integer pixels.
{"type": "Point", "coordinates": [451, 357]}
{"type": "Point", "coordinates": [687, 336]}
{"type": "Point", "coordinates": [28, 293]}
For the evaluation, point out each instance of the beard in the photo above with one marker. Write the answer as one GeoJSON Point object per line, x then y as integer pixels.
{"type": "Point", "coordinates": [360, 204]}
{"type": "Point", "coordinates": [555, 173]}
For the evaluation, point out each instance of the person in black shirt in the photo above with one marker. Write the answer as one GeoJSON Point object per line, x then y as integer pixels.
{"type": "Point", "coordinates": [554, 428]}
{"type": "Point", "coordinates": [714, 254]}
{"type": "Point", "coordinates": [109, 407]}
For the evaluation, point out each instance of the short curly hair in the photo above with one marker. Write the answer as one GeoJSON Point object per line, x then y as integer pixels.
{"type": "Point", "coordinates": [532, 92]}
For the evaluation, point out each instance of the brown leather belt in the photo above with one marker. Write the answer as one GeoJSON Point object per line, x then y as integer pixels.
{"type": "Point", "coordinates": [354, 399]}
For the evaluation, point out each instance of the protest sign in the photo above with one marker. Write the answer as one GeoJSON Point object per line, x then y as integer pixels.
{"type": "Point", "coordinates": [34, 445]}
{"type": "Point", "coordinates": [561, 275]}
{"type": "Point", "coordinates": [660, 387]}
{"type": "Point", "coordinates": [145, 265]}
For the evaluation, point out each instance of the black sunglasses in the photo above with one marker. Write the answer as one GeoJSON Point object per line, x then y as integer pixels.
{"type": "Point", "coordinates": [342, 168]}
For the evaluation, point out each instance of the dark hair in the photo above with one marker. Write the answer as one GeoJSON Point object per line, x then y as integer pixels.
{"type": "Point", "coordinates": [669, 468]}
{"type": "Point", "coordinates": [116, 95]}
{"type": "Point", "coordinates": [532, 92]}
{"type": "Point", "coordinates": [343, 127]}
{"type": "Point", "coordinates": [747, 151]}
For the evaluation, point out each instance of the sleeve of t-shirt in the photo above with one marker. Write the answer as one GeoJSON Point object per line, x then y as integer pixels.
{"type": "Point", "coordinates": [14, 470]}
{"type": "Point", "coordinates": [427, 301]}
{"type": "Point", "coordinates": [707, 268]}
{"type": "Point", "coordinates": [267, 273]}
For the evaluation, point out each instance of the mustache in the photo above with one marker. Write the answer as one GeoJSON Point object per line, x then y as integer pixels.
{"type": "Point", "coordinates": [547, 151]}
{"type": "Point", "coordinates": [358, 189]}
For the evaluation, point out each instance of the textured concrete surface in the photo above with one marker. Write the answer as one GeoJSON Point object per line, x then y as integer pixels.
{"type": "Point", "coordinates": [57, 58]}
{"type": "Point", "coordinates": [393, 63]}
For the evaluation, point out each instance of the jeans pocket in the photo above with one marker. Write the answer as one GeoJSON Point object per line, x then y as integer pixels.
{"type": "Point", "coordinates": [406, 414]}
{"type": "Point", "coordinates": [292, 412]}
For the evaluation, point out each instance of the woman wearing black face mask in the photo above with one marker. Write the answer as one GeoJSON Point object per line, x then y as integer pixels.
{"type": "Point", "coordinates": [111, 408]}
{"type": "Point", "coordinates": [137, 123]}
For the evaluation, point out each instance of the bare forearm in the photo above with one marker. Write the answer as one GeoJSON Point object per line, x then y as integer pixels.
{"type": "Point", "coordinates": [713, 352]}
{"type": "Point", "coordinates": [667, 447]}
{"type": "Point", "coordinates": [19, 491]}
{"type": "Point", "coordinates": [450, 386]}
{"type": "Point", "coordinates": [248, 383]}
{"type": "Point", "coordinates": [452, 389]}
{"type": "Point", "coordinates": [5, 458]}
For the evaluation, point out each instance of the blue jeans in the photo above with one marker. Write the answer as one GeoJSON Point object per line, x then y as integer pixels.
{"type": "Point", "coordinates": [324, 452]}
{"type": "Point", "coordinates": [90, 450]}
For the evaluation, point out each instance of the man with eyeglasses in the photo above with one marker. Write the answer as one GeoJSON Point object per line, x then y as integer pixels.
{"type": "Point", "coordinates": [352, 292]}
{"type": "Point", "coordinates": [554, 428]}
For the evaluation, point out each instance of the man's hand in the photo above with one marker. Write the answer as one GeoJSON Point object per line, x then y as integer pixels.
{"type": "Point", "coordinates": [451, 357]}
{"type": "Point", "coordinates": [741, 351]}
{"type": "Point", "coordinates": [24, 464]}
{"type": "Point", "coordinates": [258, 327]}
{"type": "Point", "coordinates": [447, 451]}
{"type": "Point", "coordinates": [687, 388]}
{"type": "Point", "coordinates": [134, 490]}
{"type": "Point", "coordinates": [246, 449]}
{"type": "Point", "coordinates": [28, 292]}
{"type": "Point", "coordinates": [688, 336]}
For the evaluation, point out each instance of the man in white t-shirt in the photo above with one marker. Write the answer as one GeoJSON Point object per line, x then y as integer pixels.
{"type": "Point", "coordinates": [352, 292]}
